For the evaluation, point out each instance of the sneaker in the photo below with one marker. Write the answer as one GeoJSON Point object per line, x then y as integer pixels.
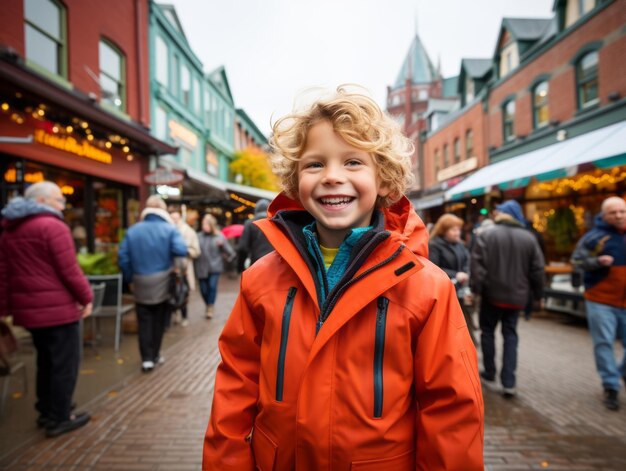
{"type": "Point", "coordinates": [488, 381]}
{"type": "Point", "coordinates": [54, 429]}
{"type": "Point", "coordinates": [184, 323]}
{"type": "Point", "coordinates": [147, 366]}
{"type": "Point", "coordinates": [610, 399]}
{"type": "Point", "coordinates": [44, 422]}
{"type": "Point", "coordinates": [509, 393]}
{"type": "Point", "coordinates": [159, 360]}
{"type": "Point", "coordinates": [209, 312]}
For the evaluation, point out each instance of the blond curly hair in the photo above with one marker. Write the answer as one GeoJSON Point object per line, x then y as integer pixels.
{"type": "Point", "coordinates": [361, 123]}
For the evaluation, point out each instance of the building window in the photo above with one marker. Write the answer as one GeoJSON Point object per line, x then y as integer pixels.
{"type": "Point", "coordinates": [469, 89]}
{"type": "Point", "coordinates": [457, 150]}
{"type": "Point", "coordinates": [508, 121]}
{"type": "Point", "coordinates": [175, 71]}
{"type": "Point", "coordinates": [162, 61]}
{"type": "Point", "coordinates": [422, 95]}
{"type": "Point", "coordinates": [197, 101]}
{"type": "Point", "coordinates": [44, 30]}
{"type": "Point", "coordinates": [446, 160]}
{"type": "Point", "coordinates": [160, 123]}
{"type": "Point", "coordinates": [587, 80]}
{"type": "Point", "coordinates": [469, 144]}
{"type": "Point", "coordinates": [541, 114]}
{"type": "Point", "coordinates": [185, 85]}
{"type": "Point", "coordinates": [436, 163]}
{"type": "Point", "coordinates": [112, 75]}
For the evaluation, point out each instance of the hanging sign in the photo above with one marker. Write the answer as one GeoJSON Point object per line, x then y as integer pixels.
{"type": "Point", "coordinates": [69, 144]}
{"type": "Point", "coordinates": [163, 176]}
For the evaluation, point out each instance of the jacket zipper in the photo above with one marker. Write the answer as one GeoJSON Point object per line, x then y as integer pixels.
{"type": "Point", "coordinates": [332, 301]}
{"type": "Point", "coordinates": [379, 350]}
{"type": "Point", "coordinates": [284, 336]}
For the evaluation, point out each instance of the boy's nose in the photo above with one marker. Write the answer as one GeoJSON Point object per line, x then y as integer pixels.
{"type": "Point", "coordinates": [333, 174]}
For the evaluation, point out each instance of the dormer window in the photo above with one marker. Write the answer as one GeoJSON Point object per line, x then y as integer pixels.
{"type": "Point", "coordinates": [576, 9]}
{"type": "Point", "coordinates": [509, 59]}
{"type": "Point", "coordinates": [469, 89]}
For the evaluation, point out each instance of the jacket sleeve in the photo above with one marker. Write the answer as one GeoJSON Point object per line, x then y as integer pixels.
{"type": "Point", "coordinates": [63, 257]}
{"type": "Point", "coordinates": [226, 444]}
{"type": "Point", "coordinates": [478, 264]}
{"type": "Point", "coordinates": [178, 248]}
{"type": "Point", "coordinates": [450, 417]}
{"type": "Point", "coordinates": [123, 260]}
{"type": "Point", "coordinates": [193, 245]}
{"type": "Point", "coordinates": [4, 282]}
{"type": "Point", "coordinates": [537, 273]}
{"type": "Point", "coordinates": [583, 256]}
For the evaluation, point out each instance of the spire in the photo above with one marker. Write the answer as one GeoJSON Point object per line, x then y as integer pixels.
{"type": "Point", "coordinates": [416, 66]}
{"type": "Point", "coordinates": [439, 65]}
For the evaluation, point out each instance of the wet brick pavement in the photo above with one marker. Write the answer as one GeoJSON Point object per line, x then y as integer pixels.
{"type": "Point", "coordinates": [157, 421]}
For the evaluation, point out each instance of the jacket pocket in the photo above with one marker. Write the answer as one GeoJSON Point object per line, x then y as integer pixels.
{"type": "Point", "coordinates": [284, 337]}
{"type": "Point", "coordinates": [379, 352]}
{"type": "Point", "coordinates": [264, 450]}
{"type": "Point", "coordinates": [403, 462]}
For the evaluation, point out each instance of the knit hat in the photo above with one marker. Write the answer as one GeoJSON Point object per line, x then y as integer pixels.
{"type": "Point", "coordinates": [261, 206]}
{"type": "Point", "coordinates": [512, 208]}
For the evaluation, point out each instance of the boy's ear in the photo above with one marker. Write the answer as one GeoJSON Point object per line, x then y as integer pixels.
{"type": "Point", "coordinates": [384, 190]}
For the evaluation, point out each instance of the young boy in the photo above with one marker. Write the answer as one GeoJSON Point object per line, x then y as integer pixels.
{"type": "Point", "coordinates": [346, 349]}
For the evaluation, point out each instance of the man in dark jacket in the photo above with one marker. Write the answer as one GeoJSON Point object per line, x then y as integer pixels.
{"type": "Point", "coordinates": [601, 253]}
{"type": "Point", "coordinates": [253, 242]}
{"type": "Point", "coordinates": [146, 258]}
{"type": "Point", "coordinates": [507, 267]}
{"type": "Point", "coordinates": [43, 288]}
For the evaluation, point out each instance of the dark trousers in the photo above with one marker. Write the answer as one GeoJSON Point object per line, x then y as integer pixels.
{"type": "Point", "coordinates": [151, 320]}
{"type": "Point", "coordinates": [208, 288]}
{"type": "Point", "coordinates": [490, 315]}
{"type": "Point", "coordinates": [58, 360]}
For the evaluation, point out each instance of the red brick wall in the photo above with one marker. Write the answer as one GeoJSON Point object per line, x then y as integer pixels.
{"type": "Point", "coordinates": [472, 118]}
{"type": "Point", "coordinates": [607, 26]}
{"type": "Point", "coordinates": [87, 22]}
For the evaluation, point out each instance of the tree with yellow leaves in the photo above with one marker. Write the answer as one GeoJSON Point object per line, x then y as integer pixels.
{"type": "Point", "coordinates": [254, 167]}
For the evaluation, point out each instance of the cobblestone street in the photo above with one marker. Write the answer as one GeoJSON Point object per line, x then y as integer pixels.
{"type": "Point", "coordinates": [157, 421]}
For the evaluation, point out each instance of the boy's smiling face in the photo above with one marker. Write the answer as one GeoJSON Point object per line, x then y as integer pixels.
{"type": "Point", "coordinates": [337, 183]}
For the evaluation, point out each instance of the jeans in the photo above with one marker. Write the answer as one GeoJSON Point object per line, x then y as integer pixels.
{"type": "Point", "coordinates": [605, 324]}
{"type": "Point", "coordinates": [490, 315]}
{"type": "Point", "coordinates": [58, 360]}
{"type": "Point", "coordinates": [208, 288]}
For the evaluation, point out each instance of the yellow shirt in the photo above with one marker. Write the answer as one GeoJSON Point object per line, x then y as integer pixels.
{"type": "Point", "coordinates": [329, 255]}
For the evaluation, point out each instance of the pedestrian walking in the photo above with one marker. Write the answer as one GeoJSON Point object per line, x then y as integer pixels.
{"type": "Point", "coordinates": [346, 347]}
{"type": "Point", "coordinates": [147, 255]}
{"type": "Point", "coordinates": [253, 244]}
{"type": "Point", "coordinates": [601, 253]}
{"type": "Point", "coordinates": [193, 251]}
{"type": "Point", "coordinates": [507, 267]}
{"type": "Point", "coordinates": [446, 250]}
{"type": "Point", "coordinates": [44, 289]}
{"type": "Point", "coordinates": [214, 251]}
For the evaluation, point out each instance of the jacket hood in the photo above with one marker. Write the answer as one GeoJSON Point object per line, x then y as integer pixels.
{"type": "Point", "coordinates": [600, 223]}
{"type": "Point", "coordinates": [20, 208]}
{"type": "Point", "coordinates": [163, 214]}
{"type": "Point", "coordinates": [400, 219]}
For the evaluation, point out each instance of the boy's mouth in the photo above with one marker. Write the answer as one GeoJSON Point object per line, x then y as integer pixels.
{"type": "Point", "coordinates": [336, 200]}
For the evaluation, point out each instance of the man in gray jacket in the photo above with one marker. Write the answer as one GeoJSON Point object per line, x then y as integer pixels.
{"type": "Point", "coordinates": [507, 268]}
{"type": "Point", "coordinates": [146, 258]}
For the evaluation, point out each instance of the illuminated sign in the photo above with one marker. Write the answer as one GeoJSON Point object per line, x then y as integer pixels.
{"type": "Point", "coordinates": [71, 145]}
{"type": "Point", "coordinates": [181, 133]}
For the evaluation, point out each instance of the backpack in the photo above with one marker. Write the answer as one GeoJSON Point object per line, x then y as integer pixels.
{"type": "Point", "coordinates": [178, 289]}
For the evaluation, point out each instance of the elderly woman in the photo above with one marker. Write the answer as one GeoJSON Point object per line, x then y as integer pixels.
{"type": "Point", "coordinates": [214, 249]}
{"type": "Point", "coordinates": [446, 250]}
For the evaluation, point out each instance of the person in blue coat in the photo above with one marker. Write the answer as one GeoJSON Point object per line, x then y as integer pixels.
{"type": "Point", "coordinates": [146, 257]}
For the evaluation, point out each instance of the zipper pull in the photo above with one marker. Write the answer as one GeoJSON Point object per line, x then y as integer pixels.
{"type": "Point", "coordinates": [382, 307]}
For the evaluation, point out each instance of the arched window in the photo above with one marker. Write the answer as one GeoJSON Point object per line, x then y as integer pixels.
{"type": "Point", "coordinates": [587, 80]}
{"type": "Point", "coordinates": [436, 166]}
{"type": "Point", "coordinates": [541, 115]}
{"type": "Point", "coordinates": [469, 144]}
{"type": "Point", "coordinates": [457, 150]}
{"type": "Point", "coordinates": [508, 120]}
{"type": "Point", "coordinates": [45, 36]}
{"type": "Point", "coordinates": [446, 160]}
{"type": "Point", "coordinates": [112, 75]}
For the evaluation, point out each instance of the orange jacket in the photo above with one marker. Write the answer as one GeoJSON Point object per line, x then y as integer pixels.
{"type": "Point", "coordinates": [388, 383]}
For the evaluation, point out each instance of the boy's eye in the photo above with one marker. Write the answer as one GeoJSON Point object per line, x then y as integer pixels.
{"type": "Point", "coordinates": [353, 162]}
{"type": "Point", "coordinates": [312, 165]}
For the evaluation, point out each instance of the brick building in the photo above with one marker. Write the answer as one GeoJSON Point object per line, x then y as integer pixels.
{"type": "Point", "coordinates": [75, 109]}
{"type": "Point", "coordinates": [547, 115]}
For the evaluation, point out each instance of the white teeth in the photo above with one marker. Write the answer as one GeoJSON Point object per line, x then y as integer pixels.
{"type": "Point", "coordinates": [336, 200]}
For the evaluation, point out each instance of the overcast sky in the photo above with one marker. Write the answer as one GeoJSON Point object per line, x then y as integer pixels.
{"type": "Point", "coordinates": [274, 49]}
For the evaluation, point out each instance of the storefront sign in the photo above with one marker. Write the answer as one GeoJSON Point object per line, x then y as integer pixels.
{"type": "Point", "coordinates": [71, 145]}
{"type": "Point", "coordinates": [181, 133]}
{"type": "Point", "coordinates": [457, 169]}
{"type": "Point", "coordinates": [163, 176]}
